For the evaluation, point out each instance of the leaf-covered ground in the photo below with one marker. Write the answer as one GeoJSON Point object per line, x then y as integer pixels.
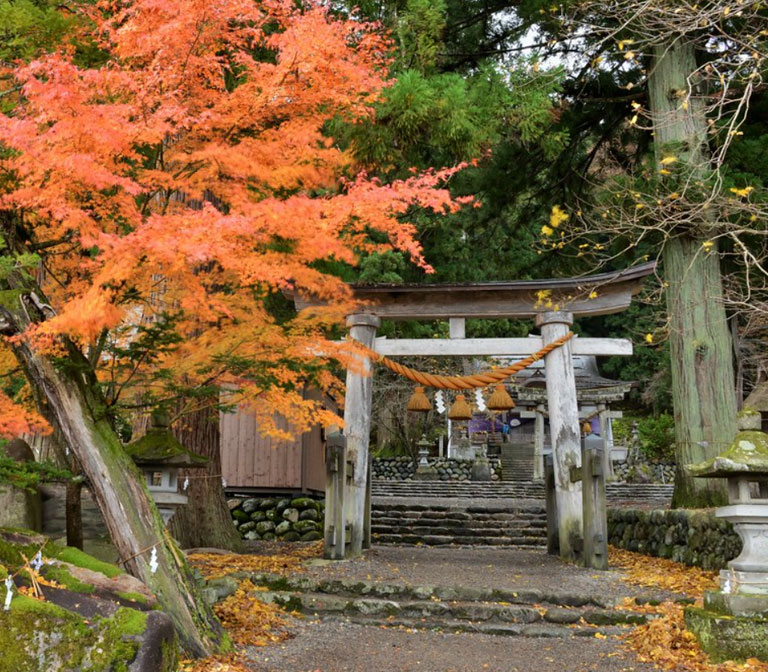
{"type": "Point", "coordinates": [664, 641]}
{"type": "Point", "coordinates": [248, 621]}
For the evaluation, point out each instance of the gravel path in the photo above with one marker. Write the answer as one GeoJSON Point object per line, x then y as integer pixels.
{"type": "Point", "coordinates": [483, 567]}
{"type": "Point", "coordinates": [346, 647]}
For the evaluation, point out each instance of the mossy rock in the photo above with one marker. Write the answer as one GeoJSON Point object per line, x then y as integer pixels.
{"type": "Point", "coordinates": [268, 503]}
{"type": "Point", "coordinates": [258, 516]}
{"type": "Point", "coordinates": [291, 514]}
{"type": "Point", "coordinates": [268, 536]}
{"type": "Point", "coordinates": [311, 536]}
{"type": "Point", "coordinates": [309, 514]}
{"type": "Point", "coordinates": [271, 514]}
{"type": "Point", "coordinates": [305, 526]}
{"type": "Point", "coordinates": [282, 505]}
{"type": "Point", "coordinates": [265, 526]}
{"type": "Point", "coordinates": [247, 527]}
{"type": "Point", "coordinates": [283, 527]}
{"type": "Point", "coordinates": [302, 503]}
{"type": "Point", "coordinates": [250, 505]}
{"type": "Point", "coordinates": [291, 536]}
{"type": "Point", "coordinates": [240, 516]}
{"type": "Point", "coordinates": [98, 618]}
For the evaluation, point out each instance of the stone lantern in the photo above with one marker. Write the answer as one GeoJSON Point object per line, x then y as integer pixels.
{"type": "Point", "coordinates": [160, 456]}
{"type": "Point", "coordinates": [734, 620]}
{"type": "Point", "coordinates": [423, 471]}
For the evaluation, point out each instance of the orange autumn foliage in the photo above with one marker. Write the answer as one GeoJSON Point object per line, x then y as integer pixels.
{"type": "Point", "coordinates": [192, 172]}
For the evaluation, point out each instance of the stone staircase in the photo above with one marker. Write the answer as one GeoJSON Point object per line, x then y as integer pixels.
{"type": "Point", "coordinates": [516, 462]}
{"type": "Point", "coordinates": [504, 612]}
{"type": "Point", "coordinates": [468, 525]}
{"type": "Point", "coordinates": [647, 493]}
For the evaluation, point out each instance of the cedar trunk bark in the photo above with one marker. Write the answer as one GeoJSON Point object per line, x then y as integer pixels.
{"type": "Point", "coordinates": [205, 520]}
{"type": "Point", "coordinates": [703, 387]}
{"type": "Point", "coordinates": [77, 409]}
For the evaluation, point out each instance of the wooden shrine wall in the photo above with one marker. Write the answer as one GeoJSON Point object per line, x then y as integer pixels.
{"type": "Point", "coordinates": [252, 462]}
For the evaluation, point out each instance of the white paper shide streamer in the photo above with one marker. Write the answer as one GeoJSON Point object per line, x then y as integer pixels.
{"type": "Point", "coordinates": [186, 483]}
{"type": "Point", "coordinates": [440, 402]}
{"type": "Point", "coordinates": [479, 401]}
{"type": "Point", "coordinates": [37, 562]}
{"type": "Point", "coordinates": [8, 593]}
{"type": "Point", "coordinates": [153, 561]}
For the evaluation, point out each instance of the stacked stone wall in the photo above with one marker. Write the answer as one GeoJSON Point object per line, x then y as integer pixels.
{"type": "Point", "coordinates": [696, 538]}
{"type": "Point", "coordinates": [402, 468]}
{"type": "Point", "coordinates": [285, 519]}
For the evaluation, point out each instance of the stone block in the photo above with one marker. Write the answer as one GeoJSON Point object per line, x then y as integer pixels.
{"type": "Point", "coordinates": [726, 637]}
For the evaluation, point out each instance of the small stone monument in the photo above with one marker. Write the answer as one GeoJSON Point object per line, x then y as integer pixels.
{"type": "Point", "coordinates": [733, 624]}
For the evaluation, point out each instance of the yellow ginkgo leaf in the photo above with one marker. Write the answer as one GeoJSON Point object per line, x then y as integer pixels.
{"type": "Point", "coordinates": [649, 338]}
{"type": "Point", "coordinates": [668, 160]}
{"type": "Point", "coordinates": [746, 191]}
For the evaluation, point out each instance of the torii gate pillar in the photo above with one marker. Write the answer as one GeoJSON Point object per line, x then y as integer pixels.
{"type": "Point", "coordinates": [357, 429]}
{"type": "Point", "coordinates": [564, 428]}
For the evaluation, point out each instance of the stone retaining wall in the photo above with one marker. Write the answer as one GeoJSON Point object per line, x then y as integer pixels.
{"type": "Point", "coordinates": [695, 538]}
{"type": "Point", "coordinates": [402, 468]}
{"type": "Point", "coordinates": [269, 518]}
{"type": "Point", "coordinates": [654, 472]}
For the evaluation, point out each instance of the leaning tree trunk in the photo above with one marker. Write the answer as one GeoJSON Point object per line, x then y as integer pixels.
{"type": "Point", "coordinates": [205, 520]}
{"type": "Point", "coordinates": [76, 406]}
{"type": "Point", "coordinates": [703, 391]}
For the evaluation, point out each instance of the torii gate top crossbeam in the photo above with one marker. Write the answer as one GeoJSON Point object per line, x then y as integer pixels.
{"type": "Point", "coordinates": [610, 293]}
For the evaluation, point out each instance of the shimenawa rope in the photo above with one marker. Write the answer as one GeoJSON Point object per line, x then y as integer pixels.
{"type": "Point", "coordinates": [462, 382]}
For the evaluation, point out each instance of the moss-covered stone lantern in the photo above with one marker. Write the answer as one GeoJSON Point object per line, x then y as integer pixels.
{"type": "Point", "coordinates": [734, 620]}
{"type": "Point", "coordinates": [160, 456]}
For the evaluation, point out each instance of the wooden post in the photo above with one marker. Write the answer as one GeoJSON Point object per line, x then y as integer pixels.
{"type": "Point", "coordinates": [357, 428]}
{"type": "Point", "coordinates": [335, 478]}
{"type": "Point", "coordinates": [595, 514]}
{"type": "Point", "coordinates": [564, 430]}
{"type": "Point", "coordinates": [605, 435]}
{"type": "Point", "coordinates": [367, 515]}
{"type": "Point", "coordinates": [538, 444]}
{"type": "Point", "coordinates": [553, 536]}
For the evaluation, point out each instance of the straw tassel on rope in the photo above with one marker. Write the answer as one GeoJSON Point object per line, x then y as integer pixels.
{"type": "Point", "coordinates": [419, 402]}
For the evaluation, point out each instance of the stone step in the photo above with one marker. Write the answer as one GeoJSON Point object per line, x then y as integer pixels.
{"type": "Point", "coordinates": [449, 614]}
{"type": "Point", "coordinates": [460, 524]}
{"type": "Point", "coordinates": [423, 530]}
{"type": "Point", "coordinates": [512, 490]}
{"type": "Point", "coordinates": [409, 539]}
{"type": "Point", "coordinates": [540, 629]}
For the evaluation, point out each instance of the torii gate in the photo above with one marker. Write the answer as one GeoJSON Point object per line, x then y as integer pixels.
{"type": "Point", "coordinates": [553, 303]}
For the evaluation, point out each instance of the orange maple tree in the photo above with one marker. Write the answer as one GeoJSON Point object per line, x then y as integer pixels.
{"type": "Point", "coordinates": [180, 181]}
{"type": "Point", "coordinates": [191, 173]}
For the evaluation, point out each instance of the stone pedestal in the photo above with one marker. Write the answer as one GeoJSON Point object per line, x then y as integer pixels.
{"type": "Point", "coordinates": [726, 636]}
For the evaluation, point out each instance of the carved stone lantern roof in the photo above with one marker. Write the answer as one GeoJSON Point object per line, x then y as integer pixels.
{"type": "Point", "coordinates": [746, 455]}
{"type": "Point", "coordinates": [158, 447]}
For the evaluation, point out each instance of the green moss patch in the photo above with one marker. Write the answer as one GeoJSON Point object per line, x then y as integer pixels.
{"type": "Point", "coordinates": [76, 557]}
{"type": "Point", "coordinates": [133, 597]}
